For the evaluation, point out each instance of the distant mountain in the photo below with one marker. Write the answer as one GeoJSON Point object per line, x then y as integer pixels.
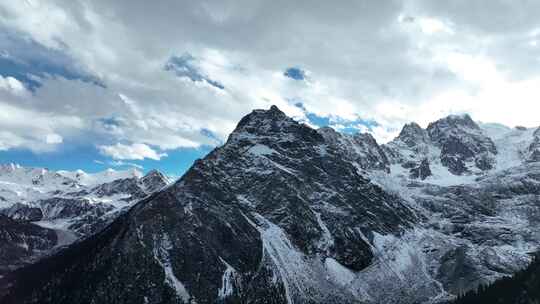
{"type": "Point", "coordinates": [42, 210]}
{"type": "Point", "coordinates": [283, 213]}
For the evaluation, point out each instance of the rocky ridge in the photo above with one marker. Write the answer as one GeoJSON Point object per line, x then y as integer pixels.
{"type": "Point", "coordinates": [283, 213]}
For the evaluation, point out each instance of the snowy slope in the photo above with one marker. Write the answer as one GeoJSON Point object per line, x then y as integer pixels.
{"type": "Point", "coordinates": [512, 144]}
{"type": "Point", "coordinates": [107, 176]}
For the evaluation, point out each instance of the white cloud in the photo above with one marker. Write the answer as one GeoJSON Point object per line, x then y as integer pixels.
{"type": "Point", "coordinates": [119, 163]}
{"type": "Point", "coordinates": [53, 138]}
{"type": "Point", "coordinates": [432, 26]}
{"type": "Point", "coordinates": [12, 85]}
{"type": "Point", "coordinates": [365, 60]}
{"type": "Point", "coordinates": [135, 151]}
{"type": "Point", "coordinates": [33, 129]}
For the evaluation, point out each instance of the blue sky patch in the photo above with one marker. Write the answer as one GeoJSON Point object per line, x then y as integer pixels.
{"type": "Point", "coordinates": [109, 122]}
{"type": "Point", "coordinates": [295, 73]}
{"type": "Point", "coordinates": [89, 159]}
{"type": "Point", "coordinates": [338, 123]}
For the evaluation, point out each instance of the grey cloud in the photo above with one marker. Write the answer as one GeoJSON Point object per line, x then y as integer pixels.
{"type": "Point", "coordinates": [488, 16]}
{"type": "Point", "coordinates": [358, 51]}
{"type": "Point", "coordinates": [31, 62]}
{"type": "Point", "coordinates": [502, 30]}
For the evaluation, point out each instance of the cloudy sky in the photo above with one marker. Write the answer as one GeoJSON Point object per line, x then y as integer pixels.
{"type": "Point", "coordinates": [156, 84]}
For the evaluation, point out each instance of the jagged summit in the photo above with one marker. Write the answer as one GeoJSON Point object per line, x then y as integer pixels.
{"type": "Point", "coordinates": [412, 135]}
{"type": "Point", "coordinates": [273, 125]}
{"type": "Point", "coordinates": [453, 125]}
{"type": "Point", "coordinates": [463, 144]}
{"type": "Point", "coordinates": [455, 120]}
{"type": "Point", "coordinates": [154, 180]}
{"type": "Point", "coordinates": [152, 173]}
{"type": "Point", "coordinates": [263, 118]}
{"type": "Point", "coordinates": [410, 128]}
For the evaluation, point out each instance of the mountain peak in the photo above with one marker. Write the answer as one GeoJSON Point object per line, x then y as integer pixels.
{"type": "Point", "coordinates": [275, 108]}
{"type": "Point", "coordinates": [154, 173]}
{"type": "Point", "coordinates": [269, 123]}
{"type": "Point", "coordinates": [453, 125]}
{"type": "Point", "coordinates": [453, 121]}
{"type": "Point", "coordinates": [367, 137]}
{"type": "Point", "coordinates": [463, 144]}
{"type": "Point", "coordinates": [154, 180]}
{"type": "Point", "coordinates": [261, 118]}
{"type": "Point", "coordinates": [411, 127]}
{"type": "Point", "coordinates": [412, 134]}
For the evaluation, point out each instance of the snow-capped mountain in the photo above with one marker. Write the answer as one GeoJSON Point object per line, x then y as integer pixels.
{"type": "Point", "coordinates": [361, 148]}
{"type": "Point", "coordinates": [24, 184]}
{"type": "Point", "coordinates": [465, 148]}
{"type": "Point", "coordinates": [43, 210]}
{"type": "Point", "coordinates": [283, 213]}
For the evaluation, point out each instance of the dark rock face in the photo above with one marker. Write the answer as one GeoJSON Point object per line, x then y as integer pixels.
{"type": "Point", "coordinates": [457, 271]}
{"type": "Point", "coordinates": [23, 212]}
{"type": "Point", "coordinates": [134, 187]}
{"type": "Point", "coordinates": [422, 171]}
{"type": "Point", "coordinates": [412, 135]}
{"type": "Point", "coordinates": [360, 148]}
{"type": "Point", "coordinates": [410, 148]}
{"type": "Point", "coordinates": [127, 185]}
{"type": "Point", "coordinates": [57, 208]}
{"type": "Point", "coordinates": [21, 243]}
{"type": "Point", "coordinates": [462, 141]}
{"type": "Point", "coordinates": [84, 216]}
{"type": "Point", "coordinates": [264, 218]}
{"type": "Point", "coordinates": [534, 148]}
{"type": "Point", "coordinates": [153, 181]}
{"type": "Point", "coordinates": [374, 154]}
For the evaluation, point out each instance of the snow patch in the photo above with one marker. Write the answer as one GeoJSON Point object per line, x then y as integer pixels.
{"type": "Point", "coordinates": [327, 240]}
{"type": "Point", "coordinates": [339, 273]}
{"type": "Point", "coordinates": [259, 150]}
{"type": "Point", "coordinates": [227, 281]}
{"type": "Point", "coordinates": [161, 255]}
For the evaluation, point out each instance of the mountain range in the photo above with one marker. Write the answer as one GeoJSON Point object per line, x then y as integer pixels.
{"type": "Point", "coordinates": [42, 211]}
{"type": "Point", "coordinates": [283, 213]}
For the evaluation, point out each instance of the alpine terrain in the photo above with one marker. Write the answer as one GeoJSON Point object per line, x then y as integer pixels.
{"type": "Point", "coordinates": [42, 211]}
{"type": "Point", "coordinates": [284, 213]}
